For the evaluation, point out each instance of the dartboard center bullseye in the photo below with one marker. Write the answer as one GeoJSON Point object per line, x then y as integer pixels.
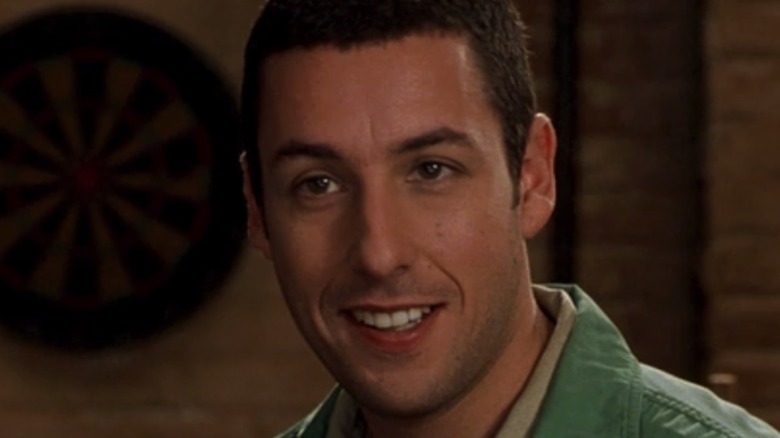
{"type": "Point", "coordinates": [87, 179]}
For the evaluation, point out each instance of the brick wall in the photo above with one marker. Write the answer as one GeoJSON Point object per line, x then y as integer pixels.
{"type": "Point", "coordinates": [237, 369]}
{"type": "Point", "coordinates": [637, 159]}
{"type": "Point", "coordinates": [742, 259]}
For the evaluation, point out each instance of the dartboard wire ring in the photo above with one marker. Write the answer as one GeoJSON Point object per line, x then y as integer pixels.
{"type": "Point", "coordinates": [148, 140]}
{"type": "Point", "coordinates": [113, 197]}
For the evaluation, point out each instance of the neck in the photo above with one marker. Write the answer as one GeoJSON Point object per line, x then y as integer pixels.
{"type": "Point", "coordinates": [482, 411]}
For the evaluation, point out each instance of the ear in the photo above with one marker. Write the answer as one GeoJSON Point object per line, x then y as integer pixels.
{"type": "Point", "coordinates": [258, 237]}
{"type": "Point", "coordinates": [537, 177]}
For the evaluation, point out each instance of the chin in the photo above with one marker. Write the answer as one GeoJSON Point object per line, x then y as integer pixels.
{"type": "Point", "coordinates": [392, 406]}
{"type": "Point", "coordinates": [407, 401]}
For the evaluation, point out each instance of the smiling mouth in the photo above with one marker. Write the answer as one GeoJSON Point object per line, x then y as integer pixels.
{"type": "Point", "coordinates": [395, 321]}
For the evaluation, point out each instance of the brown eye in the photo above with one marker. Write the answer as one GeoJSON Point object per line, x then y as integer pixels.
{"type": "Point", "coordinates": [319, 185]}
{"type": "Point", "coordinates": [431, 170]}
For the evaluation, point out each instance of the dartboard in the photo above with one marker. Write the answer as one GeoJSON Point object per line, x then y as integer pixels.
{"type": "Point", "coordinates": [120, 207]}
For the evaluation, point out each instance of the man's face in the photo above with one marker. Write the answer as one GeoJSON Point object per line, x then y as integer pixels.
{"type": "Point", "coordinates": [390, 217]}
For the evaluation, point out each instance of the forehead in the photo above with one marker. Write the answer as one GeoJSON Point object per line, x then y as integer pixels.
{"type": "Point", "coordinates": [371, 94]}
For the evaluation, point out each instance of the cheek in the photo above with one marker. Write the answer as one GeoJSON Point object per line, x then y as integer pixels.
{"type": "Point", "coordinates": [297, 258]}
{"type": "Point", "coordinates": [300, 272]}
{"type": "Point", "coordinates": [306, 253]}
{"type": "Point", "coordinates": [471, 238]}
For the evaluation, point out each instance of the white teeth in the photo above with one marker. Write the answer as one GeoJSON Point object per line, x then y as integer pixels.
{"type": "Point", "coordinates": [398, 320]}
{"type": "Point", "coordinates": [383, 320]}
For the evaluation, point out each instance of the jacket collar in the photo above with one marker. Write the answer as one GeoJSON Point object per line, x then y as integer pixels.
{"type": "Point", "coordinates": [595, 390]}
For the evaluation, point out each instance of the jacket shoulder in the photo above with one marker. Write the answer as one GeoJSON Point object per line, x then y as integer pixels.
{"type": "Point", "coordinates": [672, 407]}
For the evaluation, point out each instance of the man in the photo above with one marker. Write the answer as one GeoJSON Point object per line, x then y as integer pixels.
{"type": "Point", "coordinates": [395, 166]}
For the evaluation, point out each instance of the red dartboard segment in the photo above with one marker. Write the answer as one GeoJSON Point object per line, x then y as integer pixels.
{"type": "Point", "coordinates": [120, 208]}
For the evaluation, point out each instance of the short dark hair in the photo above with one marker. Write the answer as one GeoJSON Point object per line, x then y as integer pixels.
{"type": "Point", "coordinates": [493, 29]}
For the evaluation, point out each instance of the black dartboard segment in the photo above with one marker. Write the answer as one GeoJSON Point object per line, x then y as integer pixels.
{"type": "Point", "coordinates": [120, 207]}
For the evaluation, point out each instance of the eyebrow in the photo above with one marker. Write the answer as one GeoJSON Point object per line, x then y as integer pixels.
{"type": "Point", "coordinates": [296, 148]}
{"type": "Point", "coordinates": [442, 135]}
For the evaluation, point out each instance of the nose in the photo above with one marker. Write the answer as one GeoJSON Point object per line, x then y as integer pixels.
{"type": "Point", "coordinates": [382, 246]}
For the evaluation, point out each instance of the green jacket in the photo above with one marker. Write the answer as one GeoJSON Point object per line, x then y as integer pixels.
{"type": "Point", "coordinates": [599, 389]}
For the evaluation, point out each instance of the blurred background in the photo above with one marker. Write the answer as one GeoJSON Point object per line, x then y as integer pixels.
{"type": "Point", "coordinates": [668, 216]}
